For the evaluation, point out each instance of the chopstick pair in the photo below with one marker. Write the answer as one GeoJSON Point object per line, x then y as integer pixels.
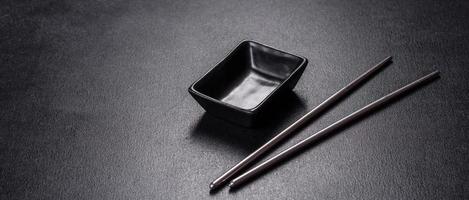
{"type": "Point", "coordinates": [314, 112]}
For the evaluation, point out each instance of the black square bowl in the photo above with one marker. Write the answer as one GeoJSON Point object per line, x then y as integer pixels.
{"type": "Point", "coordinates": [239, 88]}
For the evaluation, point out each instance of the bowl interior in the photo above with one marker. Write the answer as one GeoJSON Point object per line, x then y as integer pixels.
{"type": "Point", "coordinates": [248, 75]}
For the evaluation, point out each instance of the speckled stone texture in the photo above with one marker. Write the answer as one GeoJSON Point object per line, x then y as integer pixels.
{"type": "Point", "coordinates": [94, 101]}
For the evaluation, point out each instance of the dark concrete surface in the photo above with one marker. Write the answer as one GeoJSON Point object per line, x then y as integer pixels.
{"type": "Point", "coordinates": [94, 101]}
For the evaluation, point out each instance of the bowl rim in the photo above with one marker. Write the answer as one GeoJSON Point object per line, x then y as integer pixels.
{"type": "Point", "coordinates": [192, 89]}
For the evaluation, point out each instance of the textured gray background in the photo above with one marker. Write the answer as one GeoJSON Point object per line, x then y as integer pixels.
{"type": "Point", "coordinates": [94, 101]}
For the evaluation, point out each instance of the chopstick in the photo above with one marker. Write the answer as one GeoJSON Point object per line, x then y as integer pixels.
{"type": "Point", "coordinates": [279, 137]}
{"type": "Point", "coordinates": [355, 115]}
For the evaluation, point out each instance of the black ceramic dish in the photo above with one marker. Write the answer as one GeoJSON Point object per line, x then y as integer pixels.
{"type": "Point", "coordinates": [239, 88]}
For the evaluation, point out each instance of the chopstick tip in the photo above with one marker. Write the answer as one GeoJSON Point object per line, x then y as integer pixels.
{"type": "Point", "coordinates": [212, 186]}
